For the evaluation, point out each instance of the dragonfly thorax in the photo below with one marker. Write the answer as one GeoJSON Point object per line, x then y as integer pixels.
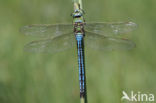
{"type": "Point", "coordinates": [79, 28]}
{"type": "Point", "coordinates": [78, 21]}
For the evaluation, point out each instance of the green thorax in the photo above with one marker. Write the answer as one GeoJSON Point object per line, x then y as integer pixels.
{"type": "Point", "coordinates": [78, 20]}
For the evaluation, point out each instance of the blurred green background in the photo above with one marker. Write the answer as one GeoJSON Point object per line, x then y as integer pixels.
{"type": "Point", "coordinates": [53, 78]}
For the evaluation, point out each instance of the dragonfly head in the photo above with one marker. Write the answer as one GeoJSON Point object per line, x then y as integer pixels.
{"type": "Point", "coordinates": [77, 13]}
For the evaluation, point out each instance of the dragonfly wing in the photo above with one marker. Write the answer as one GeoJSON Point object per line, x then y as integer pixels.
{"type": "Point", "coordinates": [45, 30]}
{"type": "Point", "coordinates": [57, 44]}
{"type": "Point", "coordinates": [101, 42]}
{"type": "Point", "coordinates": [110, 29]}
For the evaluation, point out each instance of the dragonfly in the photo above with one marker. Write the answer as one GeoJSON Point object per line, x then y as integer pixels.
{"type": "Point", "coordinates": [96, 35]}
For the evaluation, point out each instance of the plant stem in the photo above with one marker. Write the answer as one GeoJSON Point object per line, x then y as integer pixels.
{"type": "Point", "coordinates": [78, 2]}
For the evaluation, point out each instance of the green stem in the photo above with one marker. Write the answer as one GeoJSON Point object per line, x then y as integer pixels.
{"type": "Point", "coordinates": [80, 2]}
{"type": "Point", "coordinates": [76, 3]}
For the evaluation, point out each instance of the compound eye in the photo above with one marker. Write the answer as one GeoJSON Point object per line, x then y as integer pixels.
{"type": "Point", "coordinates": [76, 11]}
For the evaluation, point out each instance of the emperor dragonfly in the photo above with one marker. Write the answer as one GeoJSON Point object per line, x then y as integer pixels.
{"type": "Point", "coordinates": [59, 37]}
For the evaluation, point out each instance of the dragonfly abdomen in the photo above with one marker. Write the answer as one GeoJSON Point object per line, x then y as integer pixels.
{"type": "Point", "coordinates": [81, 63]}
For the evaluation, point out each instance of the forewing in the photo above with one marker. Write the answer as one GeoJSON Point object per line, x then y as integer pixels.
{"type": "Point", "coordinates": [57, 44]}
{"type": "Point", "coordinates": [110, 29]}
{"type": "Point", "coordinates": [46, 31]}
{"type": "Point", "coordinates": [101, 42]}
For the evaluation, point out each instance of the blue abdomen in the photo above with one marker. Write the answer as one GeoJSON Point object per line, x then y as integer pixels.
{"type": "Point", "coordinates": [80, 49]}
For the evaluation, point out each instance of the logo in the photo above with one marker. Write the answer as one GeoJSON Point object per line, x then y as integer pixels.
{"type": "Point", "coordinates": [140, 97]}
